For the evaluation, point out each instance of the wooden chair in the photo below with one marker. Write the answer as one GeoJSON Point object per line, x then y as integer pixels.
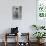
{"type": "Point", "coordinates": [8, 34]}
{"type": "Point", "coordinates": [27, 37]}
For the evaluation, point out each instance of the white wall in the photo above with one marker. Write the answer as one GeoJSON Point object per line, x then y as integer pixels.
{"type": "Point", "coordinates": [28, 15]}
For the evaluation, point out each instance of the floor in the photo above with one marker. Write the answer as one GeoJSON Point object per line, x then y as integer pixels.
{"type": "Point", "coordinates": [13, 44]}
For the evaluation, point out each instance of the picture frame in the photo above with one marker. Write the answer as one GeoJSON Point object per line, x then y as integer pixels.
{"type": "Point", "coordinates": [17, 12]}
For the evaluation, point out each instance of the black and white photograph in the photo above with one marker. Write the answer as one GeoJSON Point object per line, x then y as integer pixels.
{"type": "Point", "coordinates": [17, 12]}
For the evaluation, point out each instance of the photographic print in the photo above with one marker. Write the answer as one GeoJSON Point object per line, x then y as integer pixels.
{"type": "Point", "coordinates": [17, 12]}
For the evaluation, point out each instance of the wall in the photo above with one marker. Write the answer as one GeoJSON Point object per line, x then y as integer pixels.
{"type": "Point", "coordinates": [28, 15]}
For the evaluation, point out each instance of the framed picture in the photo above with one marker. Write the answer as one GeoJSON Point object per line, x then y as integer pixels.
{"type": "Point", "coordinates": [17, 12]}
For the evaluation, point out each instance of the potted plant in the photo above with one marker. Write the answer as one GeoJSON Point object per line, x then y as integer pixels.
{"type": "Point", "coordinates": [39, 36]}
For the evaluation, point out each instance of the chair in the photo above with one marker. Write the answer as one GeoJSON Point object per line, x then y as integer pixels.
{"type": "Point", "coordinates": [25, 43]}
{"type": "Point", "coordinates": [14, 32]}
{"type": "Point", "coordinates": [7, 34]}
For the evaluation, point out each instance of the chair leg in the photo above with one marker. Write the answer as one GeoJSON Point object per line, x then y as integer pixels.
{"type": "Point", "coordinates": [5, 43]}
{"type": "Point", "coordinates": [17, 39]}
{"type": "Point", "coordinates": [5, 40]}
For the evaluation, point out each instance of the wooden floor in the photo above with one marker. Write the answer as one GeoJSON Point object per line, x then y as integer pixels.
{"type": "Point", "coordinates": [13, 44]}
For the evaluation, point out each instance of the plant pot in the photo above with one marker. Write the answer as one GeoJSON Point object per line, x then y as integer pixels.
{"type": "Point", "coordinates": [40, 41]}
